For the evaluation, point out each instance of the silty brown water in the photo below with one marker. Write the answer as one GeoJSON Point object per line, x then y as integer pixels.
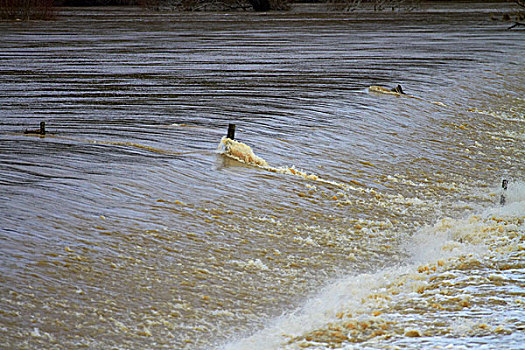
{"type": "Point", "coordinates": [124, 227]}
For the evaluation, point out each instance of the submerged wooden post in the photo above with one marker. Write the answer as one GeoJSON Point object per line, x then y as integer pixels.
{"type": "Point", "coordinates": [504, 185]}
{"type": "Point", "coordinates": [41, 131]}
{"type": "Point", "coordinates": [231, 131]}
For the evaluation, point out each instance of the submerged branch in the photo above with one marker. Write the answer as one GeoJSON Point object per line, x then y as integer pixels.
{"type": "Point", "coordinates": [515, 25]}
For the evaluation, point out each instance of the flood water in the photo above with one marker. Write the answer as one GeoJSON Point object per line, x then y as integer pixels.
{"type": "Point", "coordinates": [124, 227]}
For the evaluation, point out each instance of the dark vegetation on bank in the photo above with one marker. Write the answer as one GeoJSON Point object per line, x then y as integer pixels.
{"type": "Point", "coordinates": [27, 9]}
{"type": "Point", "coordinates": [47, 9]}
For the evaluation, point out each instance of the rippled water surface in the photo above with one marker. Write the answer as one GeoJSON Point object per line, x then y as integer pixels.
{"type": "Point", "coordinates": [376, 222]}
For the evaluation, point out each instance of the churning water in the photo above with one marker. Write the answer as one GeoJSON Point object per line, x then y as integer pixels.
{"type": "Point", "coordinates": [368, 220]}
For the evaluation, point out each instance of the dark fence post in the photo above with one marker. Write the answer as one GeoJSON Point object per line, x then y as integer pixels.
{"type": "Point", "coordinates": [231, 131]}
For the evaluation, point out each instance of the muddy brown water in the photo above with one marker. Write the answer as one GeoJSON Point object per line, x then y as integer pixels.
{"type": "Point", "coordinates": [125, 228]}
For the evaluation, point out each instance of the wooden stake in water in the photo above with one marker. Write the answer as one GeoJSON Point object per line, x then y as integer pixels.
{"type": "Point", "coordinates": [41, 131]}
{"type": "Point", "coordinates": [231, 131]}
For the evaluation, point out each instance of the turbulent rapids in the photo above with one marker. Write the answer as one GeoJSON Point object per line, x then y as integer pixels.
{"type": "Point", "coordinates": [244, 153]}
{"type": "Point", "coordinates": [376, 308]}
{"type": "Point", "coordinates": [350, 218]}
{"type": "Point", "coordinates": [443, 259]}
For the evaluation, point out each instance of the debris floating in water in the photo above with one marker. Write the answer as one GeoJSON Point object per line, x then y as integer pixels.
{"type": "Point", "coordinates": [379, 89]}
{"type": "Point", "coordinates": [398, 91]}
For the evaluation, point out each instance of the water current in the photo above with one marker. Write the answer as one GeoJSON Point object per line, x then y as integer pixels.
{"type": "Point", "coordinates": [369, 220]}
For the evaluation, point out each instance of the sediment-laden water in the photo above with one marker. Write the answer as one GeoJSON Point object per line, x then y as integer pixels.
{"type": "Point", "coordinates": [339, 218]}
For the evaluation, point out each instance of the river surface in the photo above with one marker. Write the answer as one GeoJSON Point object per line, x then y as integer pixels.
{"type": "Point", "coordinates": [376, 220]}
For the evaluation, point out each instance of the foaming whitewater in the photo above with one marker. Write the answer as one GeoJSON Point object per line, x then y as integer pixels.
{"type": "Point", "coordinates": [241, 152]}
{"type": "Point", "coordinates": [244, 154]}
{"type": "Point", "coordinates": [423, 299]}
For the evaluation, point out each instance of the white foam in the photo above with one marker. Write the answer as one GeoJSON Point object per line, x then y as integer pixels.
{"type": "Point", "coordinates": [251, 264]}
{"type": "Point", "coordinates": [447, 239]}
{"type": "Point", "coordinates": [345, 294]}
{"type": "Point", "coordinates": [244, 154]}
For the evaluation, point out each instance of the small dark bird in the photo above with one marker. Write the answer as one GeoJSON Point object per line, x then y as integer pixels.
{"type": "Point", "coordinates": [504, 185]}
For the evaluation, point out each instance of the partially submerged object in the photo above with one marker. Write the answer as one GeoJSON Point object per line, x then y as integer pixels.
{"type": "Point", "coordinates": [398, 90]}
{"type": "Point", "coordinates": [244, 154]}
{"type": "Point", "coordinates": [41, 131]}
